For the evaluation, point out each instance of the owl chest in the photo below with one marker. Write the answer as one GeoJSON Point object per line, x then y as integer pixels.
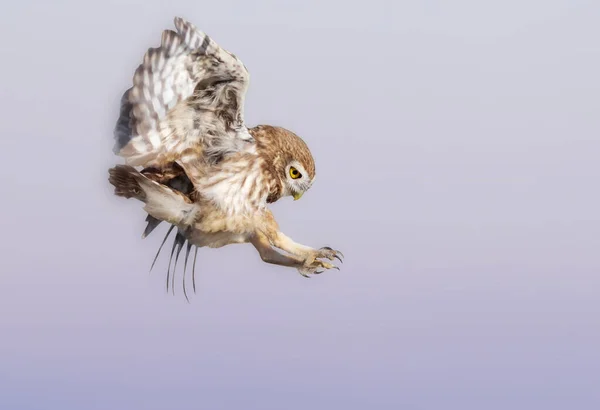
{"type": "Point", "coordinates": [238, 194]}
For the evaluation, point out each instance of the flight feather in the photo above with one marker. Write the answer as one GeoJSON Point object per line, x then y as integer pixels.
{"type": "Point", "coordinates": [187, 94]}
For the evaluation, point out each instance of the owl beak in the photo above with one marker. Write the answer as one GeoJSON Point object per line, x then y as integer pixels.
{"type": "Point", "coordinates": [298, 195]}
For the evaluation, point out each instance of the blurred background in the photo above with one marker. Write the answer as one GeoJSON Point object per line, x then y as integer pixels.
{"type": "Point", "coordinates": [457, 149]}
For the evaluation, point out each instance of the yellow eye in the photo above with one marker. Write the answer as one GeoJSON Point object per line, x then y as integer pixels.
{"type": "Point", "coordinates": [294, 173]}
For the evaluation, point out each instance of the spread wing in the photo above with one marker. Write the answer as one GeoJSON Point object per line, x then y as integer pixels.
{"type": "Point", "coordinates": [187, 94]}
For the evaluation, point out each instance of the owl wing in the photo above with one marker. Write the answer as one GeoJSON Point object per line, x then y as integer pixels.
{"type": "Point", "coordinates": [187, 93]}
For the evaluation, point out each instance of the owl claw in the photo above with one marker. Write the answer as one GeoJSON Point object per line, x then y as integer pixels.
{"type": "Point", "coordinates": [316, 267]}
{"type": "Point", "coordinates": [331, 254]}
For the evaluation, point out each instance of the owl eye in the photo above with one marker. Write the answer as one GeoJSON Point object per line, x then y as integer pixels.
{"type": "Point", "coordinates": [294, 173]}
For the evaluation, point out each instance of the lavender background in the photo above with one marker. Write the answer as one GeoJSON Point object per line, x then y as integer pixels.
{"type": "Point", "coordinates": [457, 148]}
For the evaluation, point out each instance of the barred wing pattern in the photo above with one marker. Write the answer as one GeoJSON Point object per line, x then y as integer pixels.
{"type": "Point", "coordinates": [187, 93]}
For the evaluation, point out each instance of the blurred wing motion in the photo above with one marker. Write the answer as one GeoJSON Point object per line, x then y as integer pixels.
{"type": "Point", "coordinates": [187, 99]}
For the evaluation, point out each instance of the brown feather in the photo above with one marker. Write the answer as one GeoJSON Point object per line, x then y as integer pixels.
{"type": "Point", "coordinates": [123, 178]}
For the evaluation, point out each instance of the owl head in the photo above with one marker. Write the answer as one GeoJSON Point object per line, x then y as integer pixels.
{"type": "Point", "coordinates": [288, 161]}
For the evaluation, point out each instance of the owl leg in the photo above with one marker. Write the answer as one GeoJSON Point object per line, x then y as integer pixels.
{"type": "Point", "coordinates": [161, 201]}
{"type": "Point", "coordinates": [270, 255]}
{"type": "Point", "coordinates": [285, 243]}
{"type": "Point", "coordinates": [303, 258]}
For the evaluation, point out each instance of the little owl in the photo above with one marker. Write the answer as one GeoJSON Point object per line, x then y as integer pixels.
{"type": "Point", "coordinates": [200, 168]}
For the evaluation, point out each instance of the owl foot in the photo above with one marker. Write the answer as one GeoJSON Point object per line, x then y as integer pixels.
{"type": "Point", "coordinates": [327, 253]}
{"type": "Point", "coordinates": [315, 267]}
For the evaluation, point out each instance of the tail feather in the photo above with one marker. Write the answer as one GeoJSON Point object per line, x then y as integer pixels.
{"type": "Point", "coordinates": [187, 255]}
{"type": "Point", "coordinates": [124, 179]}
{"type": "Point", "coordinates": [170, 261]}
{"type": "Point", "coordinates": [173, 176]}
{"type": "Point", "coordinates": [152, 224]}
{"type": "Point", "coordinates": [162, 202]}
{"type": "Point", "coordinates": [167, 201]}
{"type": "Point", "coordinates": [179, 241]}
{"type": "Point", "coordinates": [161, 246]}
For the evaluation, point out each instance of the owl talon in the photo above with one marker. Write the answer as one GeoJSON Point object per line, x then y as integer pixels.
{"type": "Point", "coordinates": [329, 253]}
{"type": "Point", "coordinates": [316, 267]}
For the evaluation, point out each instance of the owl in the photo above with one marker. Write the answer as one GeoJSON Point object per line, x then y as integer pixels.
{"type": "Point", "coordinates": [193, 162]}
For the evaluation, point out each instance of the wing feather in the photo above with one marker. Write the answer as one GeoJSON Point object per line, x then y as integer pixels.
{"type": "Point", "coordinates": [187, 93]}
